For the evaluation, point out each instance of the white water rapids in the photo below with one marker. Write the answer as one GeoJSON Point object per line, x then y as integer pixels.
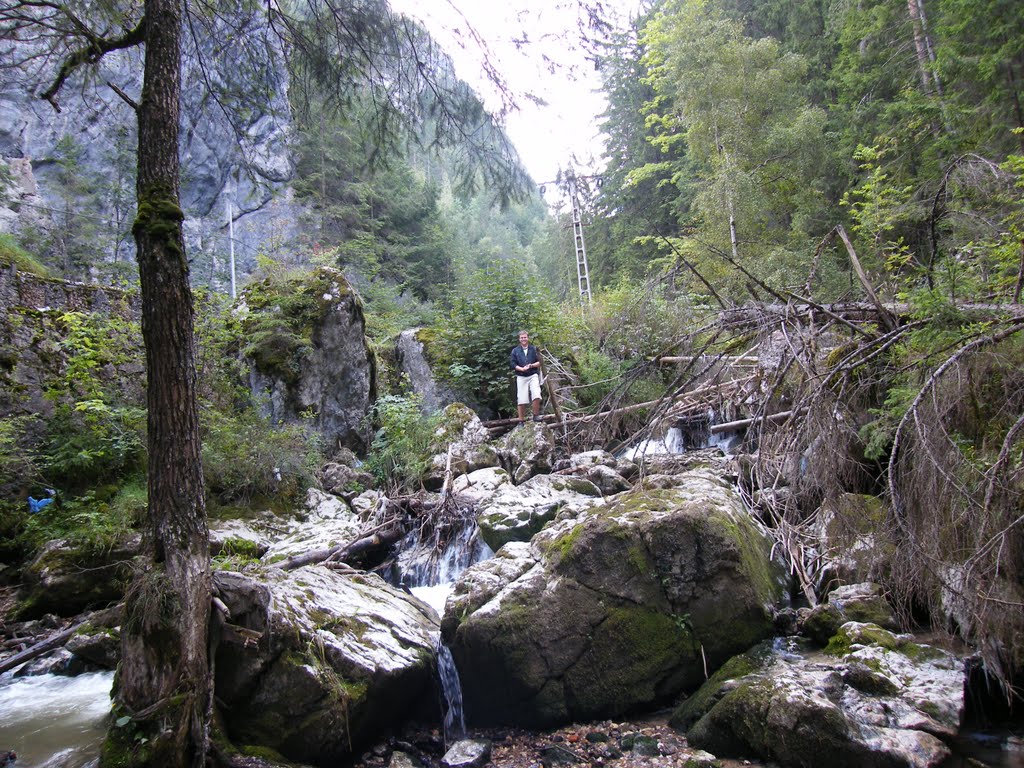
{"type": "Point", "coordinates": [52, 721]}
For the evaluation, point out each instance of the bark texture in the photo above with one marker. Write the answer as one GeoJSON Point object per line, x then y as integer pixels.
{"type": "Point", "coordinates": [164, 682]}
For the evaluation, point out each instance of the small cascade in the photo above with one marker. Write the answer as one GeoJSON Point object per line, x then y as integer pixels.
{"type": "Point", "coordinates": [451, 688]}
{"type": "Point", "coordinates": [427, 564]}
{"type": "Point", "coordinates": [428, 572]}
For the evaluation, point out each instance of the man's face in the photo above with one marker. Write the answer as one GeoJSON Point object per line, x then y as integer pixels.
{"type": "Point", "coordinates": [524, 339]}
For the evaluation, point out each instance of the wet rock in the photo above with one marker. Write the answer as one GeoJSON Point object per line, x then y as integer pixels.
{"type": "Point", "coordinates": [882, 700]}
{"type": "Point", "coordinates": [863, 603]}
{"type": "Point", "coordinates": [314, 664]}
{"type": "Point", "coordinates": [468, 753]}
{"type": "Point", "coordinates": [821, 622]}
{"type": "Point", "coordinates": [617, 607]}
{"type": "Point", "coordinates": [102, 648]}
{"type": "Point", "coordinates": [328, 521]}
{"type": "Point", "coordinates": [517, 512]}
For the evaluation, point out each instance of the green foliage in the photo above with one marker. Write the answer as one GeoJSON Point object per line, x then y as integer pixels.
{"type": "Point", "coordinates": [12, 253]}
{"type": "Point", "coordinates": [94, 434]}
{"type": "Point", "coordinates": [96, 518]}
{"type": "Point", "coordinates": [19, 467]}
{"type": "Point", "coordinates": [91, 442]}
{"type": "Point", "coordinates": [403, 444]}
{"type": "Point", "coordinates": [489, 309]}
{"type": "Point", "coordinates": [247, 458]}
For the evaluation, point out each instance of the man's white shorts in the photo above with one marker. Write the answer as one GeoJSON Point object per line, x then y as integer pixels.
{"type": "Point", "coordinates": [527, 389]}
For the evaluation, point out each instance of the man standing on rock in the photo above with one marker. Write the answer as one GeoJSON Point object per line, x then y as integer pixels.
{"type": "Point", "coordinates": [525, 360]}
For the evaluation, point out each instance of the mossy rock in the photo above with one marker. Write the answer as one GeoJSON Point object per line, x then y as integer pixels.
{"type": "Point", "coordinates": [696, 706]}
{"type": "Point", "coordinates": [821, 623]}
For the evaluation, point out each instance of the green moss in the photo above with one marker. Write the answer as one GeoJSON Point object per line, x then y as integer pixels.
{"type": "Point", "coordinates": [755, 564]}
{"type": "Point", "coordinates": [638, 651]}
{"type": "Point", "coordinates": [562, 547]}
{"type": "Point", "coordinates": [697, 705]}
{"type": "Point", "coordinates": [843, 641]}
{"type": "Point", "coordinates": [159, 218]}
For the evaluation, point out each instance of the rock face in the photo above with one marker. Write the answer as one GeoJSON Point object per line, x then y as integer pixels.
{"type": "Point", "coordinates": [613, 607]}
{"type": "Point", "coordinates": [246, 162]}
{"type": "Point", "coordinates": [517, 512]}
{"type": "Point", "coordinates": [314, 664]}
{"type": "Point", "coordinates": [335, 380]}
{"type": "Point", "coordinates": [412, 361]}
{"type": "Point", "coordinates": [879, 701]}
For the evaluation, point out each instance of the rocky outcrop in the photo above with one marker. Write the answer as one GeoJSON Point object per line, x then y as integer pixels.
{"type": "Point", "coordinates": [879, 700]}
{"type": "Point", "coordinates": [313, 664]}
{"type": "Point", "coordinates": [614, 607]}
{"type": "Point", "coordinates": [313, 366]}
{"type": "Point", "coordinates": [412, 360]}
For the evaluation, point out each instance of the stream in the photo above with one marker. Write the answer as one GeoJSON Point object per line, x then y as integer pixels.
{"type": "Point", "coordinates": [52, 721]}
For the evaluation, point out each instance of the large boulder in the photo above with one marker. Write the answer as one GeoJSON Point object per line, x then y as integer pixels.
{"type": "Point", "coordinates": [314, 665]}
{"type": "Point", "coordinates": [517, 512]}
{"type": "Point", "coordinates": [66, 578]}
{"type": "Point", "coordinates": [619, 606]}
{"type": "Point", "coordinates": [878, 700]}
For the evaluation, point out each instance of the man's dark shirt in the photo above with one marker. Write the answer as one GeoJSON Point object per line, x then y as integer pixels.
{"type": "Point", "coordinates": [523, 357]}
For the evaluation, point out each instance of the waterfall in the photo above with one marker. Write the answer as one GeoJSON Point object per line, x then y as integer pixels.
{"type": "Point", "coordinates": [428, 565]}
{"type": "Point", "coordinates": [451, 688]}
{"type": "Point", "coordinates": [430, 574]}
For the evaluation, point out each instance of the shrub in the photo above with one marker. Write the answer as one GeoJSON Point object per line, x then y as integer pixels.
{"type": "Point", "coordinates": [245, 457]}
{"type": "Point", "coordinates": [403, 444]}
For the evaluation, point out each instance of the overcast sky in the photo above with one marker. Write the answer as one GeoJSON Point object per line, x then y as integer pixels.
{"type": "Point", "coordinates": [550, 64]}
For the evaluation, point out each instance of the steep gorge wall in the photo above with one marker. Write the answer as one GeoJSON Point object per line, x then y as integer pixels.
{"type": "Point", "coordinates": [241, 163]}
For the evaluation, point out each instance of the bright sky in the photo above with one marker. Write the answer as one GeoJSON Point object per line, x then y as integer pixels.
{"type": "Point", "coordinates": [534, 45]}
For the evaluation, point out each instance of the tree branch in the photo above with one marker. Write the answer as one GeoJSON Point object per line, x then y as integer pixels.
{"type": "Point", "coordinates": [91, 53]}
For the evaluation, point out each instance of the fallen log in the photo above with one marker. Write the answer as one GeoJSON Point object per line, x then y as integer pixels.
{"type": "Point", "coordinates": [342, 552]}
{"type": "Point", "coordinates": [732, 426]}
{"type": "Point", "coordinates": [105, 618]}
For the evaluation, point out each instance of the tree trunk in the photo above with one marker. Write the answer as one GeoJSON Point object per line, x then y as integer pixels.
{"type": "Point", "coordinates": [923, 68]}
{"type": "Point", "coordinates": [163, 682]}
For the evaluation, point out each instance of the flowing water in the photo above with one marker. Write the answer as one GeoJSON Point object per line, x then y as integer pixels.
{"type": "Point", "coordinates": [52, 721]}
{"type": "Point", "coordinates": [430, 575]}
